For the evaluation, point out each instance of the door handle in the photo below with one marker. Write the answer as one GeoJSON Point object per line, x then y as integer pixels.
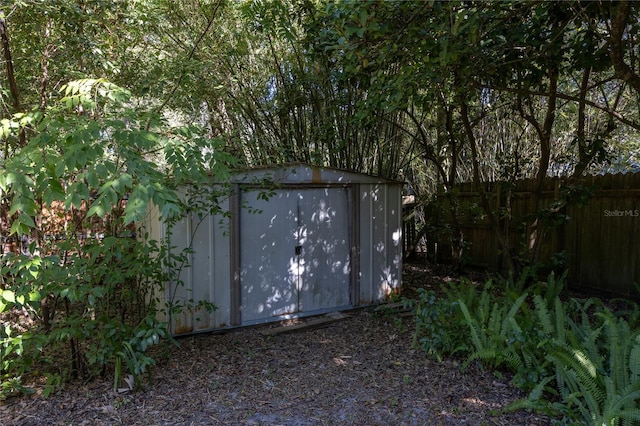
{"type": "Point", "coordinates": [298, 250]}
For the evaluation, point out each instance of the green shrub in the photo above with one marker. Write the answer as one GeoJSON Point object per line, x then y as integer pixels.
{"type": "Point", "coordinates": [595, 372]}
{"type": "Point", "coordinates": [438, 326]}
{"type": "Point", "coordinates": [89, 289]}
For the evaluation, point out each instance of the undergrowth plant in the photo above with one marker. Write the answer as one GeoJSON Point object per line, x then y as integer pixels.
{"type": "Point", "coordinates": [79, 291]}
{"type": "Point", "coordinates": [578, 360]}
{"type": "Point", "coordinates": [496, 336]}
{"type": "Point", "coordinates": [438, 325]}
{"type": "Point", "coordinates": [596, 372]}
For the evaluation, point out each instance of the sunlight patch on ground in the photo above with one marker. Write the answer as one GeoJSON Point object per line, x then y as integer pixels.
{"type": "Point", "coordinates": [477, 402]}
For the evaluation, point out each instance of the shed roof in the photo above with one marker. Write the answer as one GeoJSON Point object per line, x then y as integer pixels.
{"type": "Point", "coordinates": [303, 173]}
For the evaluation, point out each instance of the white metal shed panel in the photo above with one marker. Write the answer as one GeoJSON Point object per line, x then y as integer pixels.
{"type": "Point", "coordinates": [205, 278]}
{"type": "Point", "coordinates": [267, 274]}
{"type": "Point", "coordinates": [210, 271]}
{"type": "Point", "coordinates": [324, 239]}
{"type": "Point", "coordinates": [380, 241]}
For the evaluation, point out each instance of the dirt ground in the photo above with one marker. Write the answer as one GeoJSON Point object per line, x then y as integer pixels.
{"type": "Point", "coordinates": [361, 370]}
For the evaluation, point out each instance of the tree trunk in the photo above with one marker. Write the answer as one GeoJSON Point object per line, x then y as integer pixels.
{"type": "Point", "coordinates": [484, 200]}
{"type": "Point", "coordinates": [11, 77]}
{"type": "Point", "coordinates": [619, 20]}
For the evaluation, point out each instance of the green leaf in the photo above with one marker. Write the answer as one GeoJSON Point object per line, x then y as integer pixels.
{"type": "Point", "coordinates": [18, 228]}
{"type": "Point", "coordinates": [169, 210]}
{"type": "Point", "coordinates": [81, 158]}
{"type": "Point", "coordinates": [9, 296]}
{"type": "Point", "coordinates": [92, 179]}
{"type": "Point", "coordinates": [59, 168]}
{"type": "Point", "coordinates": [26, 220]}
{"type": "Point", "coordinates": [35, 296]}
{"type": "Point", "coordinates": [101, 171]}
{"type": "Point", "coordinates": [137, 204]}
{"type": "Point", "coordinates": [97, 209]}
{"type": "Point", "coordinates": [13, 177]}
{"type": "Point", "coordinates": [72, 199]}
{"type": "Point", "coordinates": [53, 192]}
{"type": "Point", "coordinates": [76, 193]}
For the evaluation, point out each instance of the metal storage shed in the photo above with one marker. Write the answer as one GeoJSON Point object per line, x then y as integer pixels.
{"type": "Point", "coordinates": [324, 240]}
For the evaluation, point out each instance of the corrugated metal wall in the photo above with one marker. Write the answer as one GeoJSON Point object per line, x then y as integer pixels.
{"type": "Point", "coordinates": [380, 241]}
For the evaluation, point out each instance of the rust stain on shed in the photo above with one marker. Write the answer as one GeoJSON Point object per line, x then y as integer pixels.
{"type": "Point", "coordinates": [316, 175]}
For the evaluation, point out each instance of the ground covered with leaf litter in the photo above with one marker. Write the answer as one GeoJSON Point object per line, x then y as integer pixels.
{"type": "Point", "coordinates": [361, 370]}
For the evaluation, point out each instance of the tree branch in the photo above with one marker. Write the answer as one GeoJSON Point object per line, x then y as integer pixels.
{"type": "Point", "coordinates": [190, 55]}
{"type": "Point", "coordinates": [633, 124]}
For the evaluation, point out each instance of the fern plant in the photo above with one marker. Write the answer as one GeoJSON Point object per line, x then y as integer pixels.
{"type": "Point", "coordinates": [595, 366]}
{"type": "Point", "coordinates": [552, 288]}
{"type": "Point", "coordinates": [494, 331]}
{"type": "Point", "coordinates": [602, 390]}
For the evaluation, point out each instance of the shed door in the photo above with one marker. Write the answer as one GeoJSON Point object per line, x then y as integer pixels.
{"type": "Point", "coordinates": [294, 252]}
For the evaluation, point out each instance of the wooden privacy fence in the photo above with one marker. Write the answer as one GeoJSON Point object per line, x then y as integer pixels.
{"type": "Point", "coordinates": [596, 235]}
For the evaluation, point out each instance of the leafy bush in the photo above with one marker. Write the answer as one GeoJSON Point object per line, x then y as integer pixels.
{"type": "Point", "coordinates": [81, 282]}
{"type": "Point", "coordinates": [435, 325]}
